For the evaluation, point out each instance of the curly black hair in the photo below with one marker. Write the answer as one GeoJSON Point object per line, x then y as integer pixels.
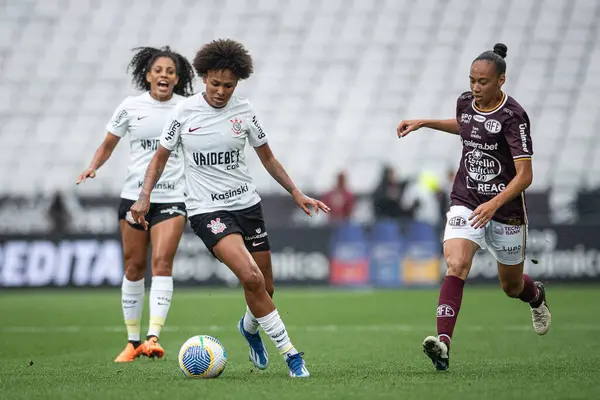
{"type": "Point", "coordinates": [224, 54]}
{"type": "Point", "coordinates": [145, 57]}
{"type": "Point", "coordinates": [496, 57]}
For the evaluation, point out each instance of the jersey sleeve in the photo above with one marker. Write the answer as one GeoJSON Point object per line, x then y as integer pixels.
{"type": "Point", "coordinates": [119, 123]}
{"type": "Point", "coordinates": [172, 130]}
{"type": "Point", "coordinates": [463, 101]}
{"type": "Point", "coordinates": [518, 137]}
{"type": "Point", "coordinates": [256, 135]}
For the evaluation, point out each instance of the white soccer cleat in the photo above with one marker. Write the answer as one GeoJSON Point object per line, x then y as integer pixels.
{"type": "Point", "coordinates": [540, 315]}
{"type": "Point", "coordinates": [437, 351]}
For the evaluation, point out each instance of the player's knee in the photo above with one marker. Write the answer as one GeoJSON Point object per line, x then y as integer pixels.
{"type": "Point", "coordinates": [512, 289]}
{"type": "Point", "coordinates": [252, 279]}
{"type": "Point", "coordinates": [134, 269]}
{"type": "Point", "coordinates": [458, 265]}
{"type": "Point", "coordinates": [162, 266]}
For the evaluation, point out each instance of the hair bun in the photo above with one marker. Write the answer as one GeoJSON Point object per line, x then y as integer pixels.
{"type": "Point", "coordinates": [500, 49]}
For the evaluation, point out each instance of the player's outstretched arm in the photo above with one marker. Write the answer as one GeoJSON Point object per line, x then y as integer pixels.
{"type": "Point", "coordinates": [155, 169]}
{"type": "Point", "coordinates": [276, 170]}
{"type": "Point", "coordinates": [102, 154]}
{"type": "Point", "coordinates": [446, 125]}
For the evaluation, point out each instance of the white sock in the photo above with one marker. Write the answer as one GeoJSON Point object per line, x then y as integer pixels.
{"type": "Point", "coordinates": [273, 326]}
{"type": "Point", "coordinates": [132, 301]}
{"type": "Point", "coordinates": [250, 323]}
{"type": "Point", "coordinates": [161, 292]}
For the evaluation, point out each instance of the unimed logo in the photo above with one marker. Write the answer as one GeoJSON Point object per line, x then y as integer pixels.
{"type": "Point", "coordinates": [522, 133]}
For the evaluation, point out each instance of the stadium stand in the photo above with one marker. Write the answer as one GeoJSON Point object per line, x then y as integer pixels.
{"type": "Point", "coordinates": [333, 78]}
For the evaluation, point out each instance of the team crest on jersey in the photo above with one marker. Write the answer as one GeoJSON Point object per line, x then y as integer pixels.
{"type": "Point", "coordinates": [493, 126]}
{"type": "Point", "coordinates": [216, 226]}
{"type": "Point", "coordinates": [236, 128]}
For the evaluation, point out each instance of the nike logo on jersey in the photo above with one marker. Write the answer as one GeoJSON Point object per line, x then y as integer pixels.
{"type": "Point", "coordinates": [193, 129]}
{"type": "Point", "coordinates": [145, 116]}
{"type": "Point", "coordinates": [255, 244]}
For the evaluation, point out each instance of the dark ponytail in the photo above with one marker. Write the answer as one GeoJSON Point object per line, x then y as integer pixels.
{"type": "Point", "coordinates": [496, 57]}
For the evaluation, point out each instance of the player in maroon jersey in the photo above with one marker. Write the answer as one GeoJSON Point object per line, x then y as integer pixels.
{"type": "Point", "coordinates": [487, 200]}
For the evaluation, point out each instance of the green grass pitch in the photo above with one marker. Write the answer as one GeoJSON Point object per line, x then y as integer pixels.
{"type": "Point", "coordinates": [357, 344]}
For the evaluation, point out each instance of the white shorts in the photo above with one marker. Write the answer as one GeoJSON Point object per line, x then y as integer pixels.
{"type": "Point", "coordinates": [505, 242]}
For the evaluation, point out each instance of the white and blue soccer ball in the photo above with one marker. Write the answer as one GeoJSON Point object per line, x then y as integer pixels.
{"type": "Point", "coordinates": [202, 356]}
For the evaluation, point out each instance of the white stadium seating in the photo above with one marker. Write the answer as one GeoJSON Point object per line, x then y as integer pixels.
{"type": "Point", "coordinates": [333, 78]}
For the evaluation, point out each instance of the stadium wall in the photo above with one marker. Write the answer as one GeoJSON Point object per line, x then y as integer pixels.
{"type": "Point", "coordinates": [348, 256]}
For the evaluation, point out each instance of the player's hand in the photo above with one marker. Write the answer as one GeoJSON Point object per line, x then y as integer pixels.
{"type": "Point", "coordinates": [305, 203]}
{"type": "Point", "coordinates": [88, 173]}
{"type": "Point", "coordinates": [408, 126]}
{"type": "Point", "coordinates": [138, 210]}
{"type": "Point", "coordinates": [483, 214]}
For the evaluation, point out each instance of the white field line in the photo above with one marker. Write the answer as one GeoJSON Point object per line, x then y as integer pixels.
{"type": "Point", "coordinates": [309, 293]}
{"type": "Point", "coordinates": [398, 328]}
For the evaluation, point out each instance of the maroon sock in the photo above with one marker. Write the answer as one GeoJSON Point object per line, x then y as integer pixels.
{"type": "Point", "coordinates": [449, 302]}
{"type": "Point", "coordinates": [530, 292]}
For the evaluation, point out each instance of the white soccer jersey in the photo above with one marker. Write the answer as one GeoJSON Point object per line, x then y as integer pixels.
{"type": "Point", "coordinates": [143, 118]}
{"type": "Point", "coordinates": [213, 142]}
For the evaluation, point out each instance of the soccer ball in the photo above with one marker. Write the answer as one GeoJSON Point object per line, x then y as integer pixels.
{"type": "Point", "coordinates": [202, 357]}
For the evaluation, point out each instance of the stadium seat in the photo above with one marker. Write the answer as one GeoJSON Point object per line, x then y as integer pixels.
{"type": "Point", "coordinates": [333, 79]}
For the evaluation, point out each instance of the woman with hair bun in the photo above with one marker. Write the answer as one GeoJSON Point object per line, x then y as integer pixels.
{"type": "Point", "coordinates": [487, 200]}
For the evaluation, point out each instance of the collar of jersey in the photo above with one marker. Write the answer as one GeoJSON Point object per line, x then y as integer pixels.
{"type": "Point", "coordinates": [493, 110]}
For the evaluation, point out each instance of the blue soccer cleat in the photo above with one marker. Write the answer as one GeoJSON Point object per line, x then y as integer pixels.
{"type": "Point", "coordinates": [297, 366]}
{"type": "Point", "coordinates": [258, 352]}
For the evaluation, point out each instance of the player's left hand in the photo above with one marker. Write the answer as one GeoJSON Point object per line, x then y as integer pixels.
{"type": "Point", "coordinates": [305, 203]}
{"type": "Point", "coordinates": [137, 211]}
{"type": "Point", "coordinates": [483, 214]}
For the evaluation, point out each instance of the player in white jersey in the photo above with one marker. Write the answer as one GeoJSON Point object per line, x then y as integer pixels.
{"type": "Point", "coordinates": [165, 77]}
{"type": "Point", "coordinates": [224, 207]}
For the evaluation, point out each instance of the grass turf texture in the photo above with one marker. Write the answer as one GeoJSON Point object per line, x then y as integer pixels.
{"type": "Point", "coordinates": [358, 345]}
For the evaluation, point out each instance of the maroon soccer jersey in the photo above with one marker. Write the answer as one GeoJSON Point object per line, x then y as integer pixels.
{"type": "Point", "coordinates": [492, 142]}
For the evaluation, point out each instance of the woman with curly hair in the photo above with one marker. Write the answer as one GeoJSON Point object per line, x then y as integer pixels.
{"type": "Point", "coordinates": [166, 79]}
{"type": "Point", "coordinates": [225, 209]}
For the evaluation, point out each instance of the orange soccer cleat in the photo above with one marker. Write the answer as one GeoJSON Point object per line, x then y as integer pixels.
{"type": "Point", "coordinates": [129, 354]}
{"type": "Point", "coordinates": [151, 348]}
